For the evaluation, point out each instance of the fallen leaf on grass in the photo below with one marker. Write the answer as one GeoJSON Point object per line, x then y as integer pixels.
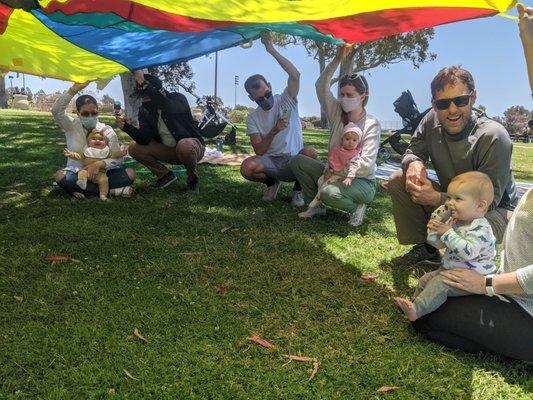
{"type": "Point", "coordinates": [19, 297]}
{"type": "Point", "coordinates": [138, 334]}
{"type": "Point", "coordinates": [220, 289]}
{"type": "Point", "coordinates": [250, 242]}
{"type": "Point", "coordinates": [52, 259]}
{"type": "Point", "coordinates": [314, 360]}
{"type": "Point", "coordinates": [261, 342]}
{"type": "Point", "coordinates": [134, 237]}
{"type": "Point", "coordinates": [367, 277]}
{"type": "Point", "coordinates": [385, 389]}
{"type": "Point", "coordinates": [227, 228]}
{"type": "Point", "coordinates": [128, 374]}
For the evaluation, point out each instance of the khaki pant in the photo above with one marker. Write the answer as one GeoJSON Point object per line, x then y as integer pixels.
{"type": "Point", "coordinates": [187, 152]}
{"type": "Point", "coordinates": [411, 219]}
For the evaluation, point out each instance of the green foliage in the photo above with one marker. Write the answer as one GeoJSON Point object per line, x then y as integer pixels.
{"type": "Point", "coordinates": [174, 75]}
{"type": "Point", "coordinates": [515, 119]}
{"type": "Point", "coordinates": [165, 263]}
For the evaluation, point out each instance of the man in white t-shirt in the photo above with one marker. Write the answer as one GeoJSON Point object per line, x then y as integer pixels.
{"type": "Point", "coordinates": [275, 130]}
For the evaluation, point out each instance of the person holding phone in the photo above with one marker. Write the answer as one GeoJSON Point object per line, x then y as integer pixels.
{"type": "Point", "coordinates": [274, 129]}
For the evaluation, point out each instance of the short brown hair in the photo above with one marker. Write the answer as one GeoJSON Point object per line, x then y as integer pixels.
{"type": "Point", "coordinates": [253, 82]}
{"type": "Point", "coordinates": [450, 76]}
{"type": "Point", "coordinates": [479, 185]}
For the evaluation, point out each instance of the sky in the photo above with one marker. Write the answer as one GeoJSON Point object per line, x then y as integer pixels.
{"type": "Point", "coordinates": [489, 48]}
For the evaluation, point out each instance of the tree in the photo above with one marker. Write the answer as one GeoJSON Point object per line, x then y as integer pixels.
{"type": "Point", "coordinates": [515, 118]}
{"type": "Point", "coordinates": [174, 75]}
{"type": "Point", "coordinates": [107, 100]}
{"type": "Point", "coordinates": [3, 93]}
{"type": "Point", "coordinates": [412, 46]}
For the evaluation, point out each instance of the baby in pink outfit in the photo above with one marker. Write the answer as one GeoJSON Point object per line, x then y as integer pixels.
{"type": "Point", "coordinates": [339, 158]}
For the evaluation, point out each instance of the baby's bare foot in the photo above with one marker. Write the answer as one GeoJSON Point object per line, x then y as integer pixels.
{"type": "Point", "coordinates": [407, 307]}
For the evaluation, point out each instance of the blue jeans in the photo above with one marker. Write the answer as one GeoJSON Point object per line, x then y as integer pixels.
{"type": "Point", "coordinates": [117, 178]}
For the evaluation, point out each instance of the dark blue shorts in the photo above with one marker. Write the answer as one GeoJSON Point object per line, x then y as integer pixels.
{"type": "Point", "coordinates": [117, 178]}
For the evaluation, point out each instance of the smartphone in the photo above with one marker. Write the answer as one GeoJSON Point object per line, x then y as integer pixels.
{"type": "Point", "coordinates": [117, 107]}
{"type": "Point", "coordinates": [286, 114]}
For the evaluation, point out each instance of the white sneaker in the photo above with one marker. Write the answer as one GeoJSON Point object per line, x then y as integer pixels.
{"type": "Point", "coordinates": [312, 211]}
{"type": "Point", "coordinates": [297, 198]}
{"type": "Point", "coordinates": [356, 217]}
{"type": "Point", "coordinates": [103, 198]}
{"type": "Point", "coordinates": [271, 192]}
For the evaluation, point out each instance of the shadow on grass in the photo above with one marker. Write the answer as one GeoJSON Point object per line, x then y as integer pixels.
{"type": "Point", "coordinates": [197, 275]}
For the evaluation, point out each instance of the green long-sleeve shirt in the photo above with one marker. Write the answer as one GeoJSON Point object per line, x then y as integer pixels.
{"type": "Point", "coordinates": [484, 145]}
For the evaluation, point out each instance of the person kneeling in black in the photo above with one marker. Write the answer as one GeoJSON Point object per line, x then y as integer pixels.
{"type": "Point", "coordinates": [167, 133]}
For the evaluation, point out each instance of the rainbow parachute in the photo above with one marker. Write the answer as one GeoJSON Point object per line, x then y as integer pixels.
{"type": "Point", "coordinates": [84, 40]}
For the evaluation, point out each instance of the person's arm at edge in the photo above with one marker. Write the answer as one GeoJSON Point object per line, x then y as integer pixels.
{"type": "Point", "coordinates": [525, 25]}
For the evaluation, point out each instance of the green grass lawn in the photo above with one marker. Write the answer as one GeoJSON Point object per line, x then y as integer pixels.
{"type": "Point", "coordinates": [159, 262]}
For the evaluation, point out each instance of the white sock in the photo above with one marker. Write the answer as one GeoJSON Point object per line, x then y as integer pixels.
{"type": "Point", "coordinates": [81, 184]}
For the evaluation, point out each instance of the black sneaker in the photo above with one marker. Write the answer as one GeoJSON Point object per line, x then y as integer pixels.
{"type": "Point", "coordinates": [165, 180]}
{"type": "Point", "coordinates": [193, 187]}
{"type": "Point", "coordinates": [419, 254]}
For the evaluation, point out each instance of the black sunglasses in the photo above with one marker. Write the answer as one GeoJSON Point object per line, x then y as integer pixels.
{"type": "Point", "coordinates": [89, 113]}
{"type": "Point", "coordinates": [459, 101]}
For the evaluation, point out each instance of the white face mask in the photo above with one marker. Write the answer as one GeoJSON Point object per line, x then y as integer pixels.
{"type": "Point", "coordinates": [350, 103]}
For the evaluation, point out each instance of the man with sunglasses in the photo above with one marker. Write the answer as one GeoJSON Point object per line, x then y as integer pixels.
{"type": "Point", "coordinates": [456, 138]}
{"type": "Point", "coordinates": [275, 130]}
{"type": "Point", "coordinates": [167, 133]}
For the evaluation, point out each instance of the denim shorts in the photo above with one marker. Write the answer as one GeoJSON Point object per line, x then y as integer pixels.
{"type": "Point", "coordinates": [277, 167]}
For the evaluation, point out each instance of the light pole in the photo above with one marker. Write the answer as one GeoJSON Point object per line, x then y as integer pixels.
{"type": "Point", "coordinates": [11, 83]}
{"type": "Point", "coordinates": [236, 83]}
{"type": "Point", "coordinates": [216, 75]}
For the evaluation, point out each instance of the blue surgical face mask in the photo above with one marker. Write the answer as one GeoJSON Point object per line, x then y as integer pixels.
{"type": "Point", "coordinates": [89, 123]}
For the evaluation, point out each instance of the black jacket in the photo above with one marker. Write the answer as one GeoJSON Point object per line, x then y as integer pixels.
{"type": "Point", "coordinates": [176, 115]}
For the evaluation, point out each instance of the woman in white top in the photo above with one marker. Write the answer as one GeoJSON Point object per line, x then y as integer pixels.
{"type": "Point", "coordinates": [76, 130]}
{"type": "Point", "coordinates": [358, 188]}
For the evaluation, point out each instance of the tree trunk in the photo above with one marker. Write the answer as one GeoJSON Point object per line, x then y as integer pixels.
{"type": "Point", "coordinates": [131, 105]}
{"type": "Point", "coordinates": [3, 94]}
{"type": "Point", "coordinates": [322, 65]}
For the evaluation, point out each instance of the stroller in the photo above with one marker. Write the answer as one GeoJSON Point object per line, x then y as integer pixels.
{"type": "Point", "coordinates": [406, 107]}
{"type": "Point", "coordinates": [212, 122]}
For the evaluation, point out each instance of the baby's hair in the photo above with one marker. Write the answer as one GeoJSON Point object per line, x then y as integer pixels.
{"type": "Point", "coordinates": [478, 184]}
{"type": "Point", "coordinates": [93, 133]}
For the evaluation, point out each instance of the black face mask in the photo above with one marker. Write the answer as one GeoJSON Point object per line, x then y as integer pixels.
{"type": "Point", "coordinates": [265, 102]}
{"type": "Point", "coordinates": [150, 106]}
